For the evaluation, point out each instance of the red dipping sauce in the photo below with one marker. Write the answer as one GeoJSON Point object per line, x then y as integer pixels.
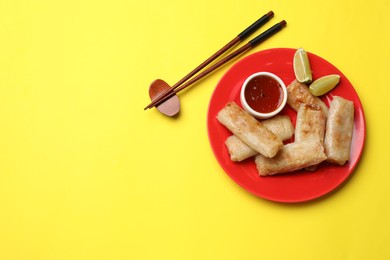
{"type": "Point", "coordinates": [263, 94]}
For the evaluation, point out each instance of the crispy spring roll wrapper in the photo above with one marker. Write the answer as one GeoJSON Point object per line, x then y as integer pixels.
{"type": "Point", "coordinates": [249, 130]}
{"type": "Point", "coordinates": [280, 125]}
{"type": "Point", "coordinates": [310, 123]}
{"type": "Point", "coordinates": [298, 93]}
{"type": "Point", "coordinates": [238, 150]}
{"type": "Point", "coordinates": [292, 157]}
{"type": "Point", "coordinates": [339, 130]}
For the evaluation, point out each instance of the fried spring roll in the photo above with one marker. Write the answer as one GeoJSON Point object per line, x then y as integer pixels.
{"type": "Point", "coordinates": [339, 130]}
{"type": "Point", "coordinates": [249, 130]}
{"type": "Point", "coordinates": [299, 93]}
{"type": "Point", "coordinates": [238, 150]}
{"type": "Point", "coordinates": [292, 157]}
{"type": "Point", "coordinates": [279, 125]}
{"type": "Point", "coordinates": [310, 123]}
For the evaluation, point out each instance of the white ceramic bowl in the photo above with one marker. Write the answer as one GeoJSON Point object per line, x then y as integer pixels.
{"type": "Point", "coordinates": [256, 113]}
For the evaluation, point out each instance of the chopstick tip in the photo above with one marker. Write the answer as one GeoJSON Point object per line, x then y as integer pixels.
{"type": "Point", "coordinates": [270, 14]}
{"type": "Point", "coordinates": [283, 23]}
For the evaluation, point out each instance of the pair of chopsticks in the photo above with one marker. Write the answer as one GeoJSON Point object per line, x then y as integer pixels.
{"type": "Point", "coordinates": [183, 83]}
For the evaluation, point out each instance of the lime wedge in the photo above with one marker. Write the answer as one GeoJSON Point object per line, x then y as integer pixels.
{"type": "Point", "coordinates": [324, 84]}
{"type": "Point", "coordinates": [302, 66]}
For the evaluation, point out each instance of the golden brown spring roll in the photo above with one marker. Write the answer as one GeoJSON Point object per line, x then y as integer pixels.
{"type": "Point", "coordinates": [299, 93]}
{"type": "Point", "coordinates": [249, 130]}
{"type": "Point", "coordinates": [310, 123]}
{"type": "Point", "coordinates": [238, 150]}
{"type": "Point", "coordinates": [292, 157]}
{"type": "Point", "coordinates": [279, 125]}
{"type": "Point", "coordinates": [339, 130]}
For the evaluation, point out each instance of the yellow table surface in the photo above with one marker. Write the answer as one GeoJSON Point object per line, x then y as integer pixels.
{"type": "Point", "coordinates": [86, 173]}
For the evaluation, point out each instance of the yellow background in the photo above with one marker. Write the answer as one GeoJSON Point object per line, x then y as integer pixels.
{"type": "Point", "coordinates": [86, 173]}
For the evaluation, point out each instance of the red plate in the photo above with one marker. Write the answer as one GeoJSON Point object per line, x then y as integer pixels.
{"type": "Point", "coordinates": [300, 185]}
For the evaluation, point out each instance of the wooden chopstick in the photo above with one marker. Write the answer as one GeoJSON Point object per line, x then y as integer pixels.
{"type": "Point", "coordinates": [257, 40]}
{"type": "Point", "coordinates": [240, 37]}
